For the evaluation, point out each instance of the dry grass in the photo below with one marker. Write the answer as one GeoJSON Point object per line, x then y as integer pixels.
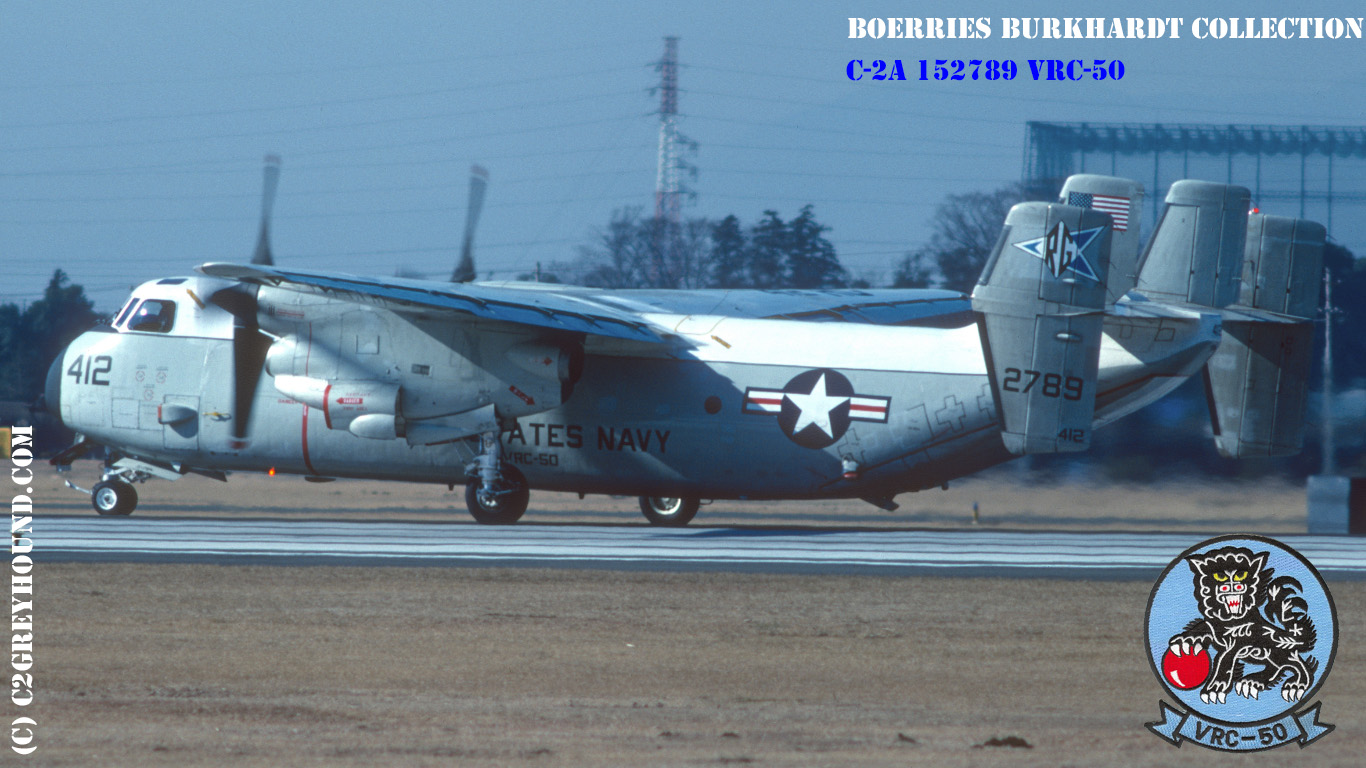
{"type": "Point", "coordinates": [181, 665]}
{"type": "Point", "coordinates": [208, 665]}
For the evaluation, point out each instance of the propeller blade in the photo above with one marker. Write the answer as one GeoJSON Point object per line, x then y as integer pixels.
{"type": "Point", "coordinates": [272, 179]}
{"type": "Point", "coordinates": [479, 181]}
{"type": "Point", "coordinates": [249, 348]}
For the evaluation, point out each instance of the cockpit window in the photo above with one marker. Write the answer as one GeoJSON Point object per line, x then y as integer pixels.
{"type": "Point", "coordinates": [154, 315]}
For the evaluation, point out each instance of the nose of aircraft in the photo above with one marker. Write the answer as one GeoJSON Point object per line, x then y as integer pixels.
{"type": "Point", "coordinates": [51, 399]}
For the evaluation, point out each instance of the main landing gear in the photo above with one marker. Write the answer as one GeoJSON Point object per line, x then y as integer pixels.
{"type": "Point", "coordinates": [497, 494]}
{"type": "Point", "coordinates": [669, 510]}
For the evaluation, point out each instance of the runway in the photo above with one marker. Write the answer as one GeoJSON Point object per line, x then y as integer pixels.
{"type": "Point", "coordinates": [776, 550]}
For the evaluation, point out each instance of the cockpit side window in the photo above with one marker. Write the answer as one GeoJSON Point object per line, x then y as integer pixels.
{"type": "Point", "coordinates": [154, 315]}
{"type": "Point", "coordinates": [123, 313]}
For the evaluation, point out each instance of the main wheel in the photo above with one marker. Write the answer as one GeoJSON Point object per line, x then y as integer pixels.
{"type": "Point", "coordinates": [114, 497]}
{"type": "Point", "coordinates": [669, 510]}
{"type": "Point", "coordinates": [505, 504]}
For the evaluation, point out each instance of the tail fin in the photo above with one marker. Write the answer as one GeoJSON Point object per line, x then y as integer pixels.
{"type": "Point", "coordinates": [1122, 199]}
{"type": "Point", "coordinates": [1041, 299]}
{"type": "Point", "coordinates": [1256, 382]}
{"type": "Point", "coordinates": [1195, 255]}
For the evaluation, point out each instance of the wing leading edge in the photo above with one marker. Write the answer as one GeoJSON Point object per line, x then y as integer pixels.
{"type": "Point", "coordinates": [543, 309]}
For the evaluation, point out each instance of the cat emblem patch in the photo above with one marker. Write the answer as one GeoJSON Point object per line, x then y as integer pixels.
{"type": "Point", "coordinates": [1241, 632]}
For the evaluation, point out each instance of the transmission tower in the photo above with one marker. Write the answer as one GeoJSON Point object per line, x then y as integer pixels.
{"type": "Point", "coordinates": [669, 190]}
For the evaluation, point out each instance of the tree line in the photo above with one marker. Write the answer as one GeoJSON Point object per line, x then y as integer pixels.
{"type": "Point", "coordinates": [32, 336]}
{"type": "Point", "coordinates": [636, 251]}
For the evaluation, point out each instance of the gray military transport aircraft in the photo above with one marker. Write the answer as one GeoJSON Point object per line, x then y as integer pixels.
{"type": "Point", "coordinates": [680, 396]}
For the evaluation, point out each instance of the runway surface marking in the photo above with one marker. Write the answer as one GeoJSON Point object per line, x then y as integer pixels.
{"type": "Point", "coordinates": [1123, 555]}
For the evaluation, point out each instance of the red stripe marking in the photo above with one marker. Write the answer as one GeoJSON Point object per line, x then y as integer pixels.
{"type": "Point", "coordinates": [870, 408]}
{"type": "Point", "coordinates": [766, 400]}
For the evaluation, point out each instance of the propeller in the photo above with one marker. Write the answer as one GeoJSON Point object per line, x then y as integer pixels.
{"type": "Point", "coordinates": [479, 181]}
{"type": "Point", "coordinates": [249, 348]}
{"type": "Point", "coordinates": [272, 179]}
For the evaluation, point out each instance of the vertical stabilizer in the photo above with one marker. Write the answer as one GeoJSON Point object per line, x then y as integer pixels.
{"type": "Point", "coordinates": [1041, 299]}
{"type": "Point", "coordinates": [1256, 382]}
{"type": "Point", "coordinates": [1195, 255]}
{"type": "Point", "coordinates": [1122, 199]}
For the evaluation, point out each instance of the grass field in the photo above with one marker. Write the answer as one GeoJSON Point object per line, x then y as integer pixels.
{"type": "Point", "coordinates": [198, 665]}
{"type": "Point", "coordinates": [181, 665]}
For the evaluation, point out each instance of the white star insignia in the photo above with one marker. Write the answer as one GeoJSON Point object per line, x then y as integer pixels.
{"type": "Point", "coordinates": [816, 408]}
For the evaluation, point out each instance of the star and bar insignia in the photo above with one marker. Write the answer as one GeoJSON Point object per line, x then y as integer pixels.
{"type": "Point", "coordinates": [816, 407]}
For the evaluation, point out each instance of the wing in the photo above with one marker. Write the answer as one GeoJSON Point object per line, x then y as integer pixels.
{"type": "Point", "coordinates": [623, 314]}
{"type": "Point", "coordinates": [841, 305]}
{"type": "Point", "coordinates": [559, 310]}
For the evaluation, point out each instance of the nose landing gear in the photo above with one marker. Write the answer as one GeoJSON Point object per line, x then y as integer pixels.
{"type": "Point", "coordinates": [497, 493]}
{"type": "Point", "coordinates": [114, 497]}
{"type": "Point", "coordinates": [114, 494]}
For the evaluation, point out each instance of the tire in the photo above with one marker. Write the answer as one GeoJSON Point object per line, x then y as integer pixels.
{"type": "Point", "coordinates": [506, 505]}
{"type": "Point", "coordinates": [673, 511]}
{"type": "Point", "coordinates": [113, 497]}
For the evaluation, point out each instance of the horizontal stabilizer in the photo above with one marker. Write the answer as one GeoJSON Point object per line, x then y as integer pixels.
{"type": "Point", "coordinates": [1195, 255]}
{"type": "Point", "coordinates": [1256, 382]}
{"type": "Point", "coordinates": [1041, 300]}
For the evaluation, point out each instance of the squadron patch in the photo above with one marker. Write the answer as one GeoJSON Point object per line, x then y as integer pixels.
{"type": "Point", "coordinates": [1063, 250]}
{"type": "Point", "coordinates": [1241, 630]}
{"type": "Point", "coordinates": [815, 408]}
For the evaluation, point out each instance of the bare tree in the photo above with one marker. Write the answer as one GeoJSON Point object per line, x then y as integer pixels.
{"type": "Point", "coordinates": [964, 230]}
{"type": "Point", "coordinates": [636, 252]}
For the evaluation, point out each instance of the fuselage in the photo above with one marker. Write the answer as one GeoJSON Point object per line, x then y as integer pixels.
{"type": "Point", "coordinates": [725, 407]}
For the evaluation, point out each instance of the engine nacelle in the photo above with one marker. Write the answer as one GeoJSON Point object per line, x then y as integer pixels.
{"type": "Point", "coordinates": [341, 402]}
{"type": "Point", "coordinates": [280, 357]}
{"type": "Point", "coordinates": [444, 372]}
{"type": "Point", "coordinates": [548, 361]}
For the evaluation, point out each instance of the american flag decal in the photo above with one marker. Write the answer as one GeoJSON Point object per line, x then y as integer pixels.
{"type": "Point", "coordinates": [1117, 207]}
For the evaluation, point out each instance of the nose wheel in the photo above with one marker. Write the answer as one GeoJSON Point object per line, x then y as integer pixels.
{"type": "Point", "coordinates": [669, 510]}
{"type": "Point", "coordinates": [501, 502]}
{"type": "Point", "coordinates": [114, 497]}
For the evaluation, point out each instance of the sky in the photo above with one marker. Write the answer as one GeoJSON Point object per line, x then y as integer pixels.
{"type": "Point", "coordinates": [132, 134]}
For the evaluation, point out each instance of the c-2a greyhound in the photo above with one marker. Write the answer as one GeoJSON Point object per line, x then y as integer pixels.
{"type": "Point", "coordinates": [681, 396]}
